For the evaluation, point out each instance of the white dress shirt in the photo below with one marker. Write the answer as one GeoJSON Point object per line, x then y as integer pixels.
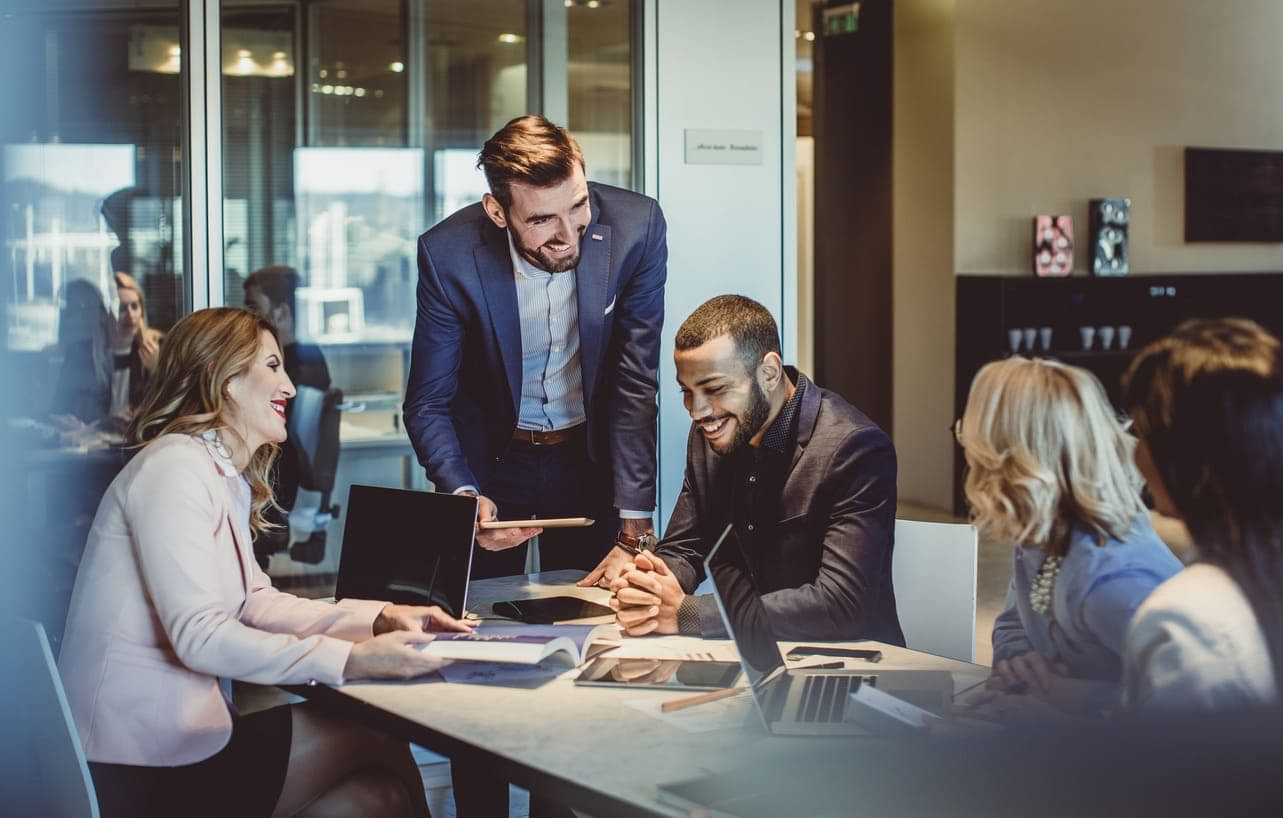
{"type": "Point", "coordinates": [552, 384]}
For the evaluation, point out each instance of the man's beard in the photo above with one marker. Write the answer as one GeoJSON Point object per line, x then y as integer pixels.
{"type": "Point", "coordinates": [751, 422]}
{"type": "Point", "coordinates": [545, 262]}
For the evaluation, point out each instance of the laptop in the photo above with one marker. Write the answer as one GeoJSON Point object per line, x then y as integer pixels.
{"type": "Point", "coordinates": [802, 702]}
{"type": "Point", "coordinates": [409, 547]}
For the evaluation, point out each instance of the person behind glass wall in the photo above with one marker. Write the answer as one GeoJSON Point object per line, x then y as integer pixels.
{"type": "Point", "coordinates": [270, 292]}
{"type": "Point", "coordinates": [169, 606]}
{"type": "Point", "coordinates": [105, 371]}
{"type": "Point", "coordinates": [82, 391]}
{"type": "Point", "coordinates": [1208, 407]}
{"type": "Point", "coordinates": [1050, 473]}
{"type": "Point", "coordinates": [807, 479]}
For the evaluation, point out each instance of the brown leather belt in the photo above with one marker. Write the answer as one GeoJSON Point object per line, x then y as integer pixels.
{"type": "Point", "coordinates": [531, 437]}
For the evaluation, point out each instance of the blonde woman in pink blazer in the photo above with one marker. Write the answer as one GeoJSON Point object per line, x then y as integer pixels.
{"type": "Point", "coordinates": [170, 605]}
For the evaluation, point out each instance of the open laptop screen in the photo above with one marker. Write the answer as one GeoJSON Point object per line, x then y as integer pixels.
{"type": "Point", "coordinates": [411, 547]}
{"type": "Point", "coordinates": [743, 613]}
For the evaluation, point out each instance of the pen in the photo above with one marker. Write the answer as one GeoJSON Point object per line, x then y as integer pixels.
{"type": "Point", "coordinates": [823, 666]}
{"type": "Point", "coordinates": [673, 705]}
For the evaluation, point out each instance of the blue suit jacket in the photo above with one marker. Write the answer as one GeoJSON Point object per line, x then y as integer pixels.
{"type": "Point", "coordinates": [464, 388]}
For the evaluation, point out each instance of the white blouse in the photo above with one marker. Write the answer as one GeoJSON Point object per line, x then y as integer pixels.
{"type": "Point", "coordinates": [1195, 646]}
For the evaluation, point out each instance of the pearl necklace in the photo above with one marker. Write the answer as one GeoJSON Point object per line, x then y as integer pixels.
{"type": "Point", "coordinates": [1044, 584]}
{"type": "Point", "coordinates": [215, 441]}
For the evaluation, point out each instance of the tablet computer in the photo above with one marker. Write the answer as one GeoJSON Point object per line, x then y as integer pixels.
{"type": "Point", "coordinates": [550, 610]}
{"type": "Point", "coordinates": [552, 522]}
{"type": "Point", "coordinates": [659, 674]}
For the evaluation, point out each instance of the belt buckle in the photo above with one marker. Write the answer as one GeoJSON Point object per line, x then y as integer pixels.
{"type": "Point", "coordinates": [533, 440]}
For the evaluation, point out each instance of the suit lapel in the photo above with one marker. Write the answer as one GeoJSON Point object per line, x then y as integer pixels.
{"type": "Point", "coordinates": [494, 266]}
{"type": "Point", "coordinates": [592, 283]}
{"type": "Point", "coordinates": [808, 412]}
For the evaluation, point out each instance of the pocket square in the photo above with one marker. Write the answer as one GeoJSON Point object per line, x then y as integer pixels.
{"type": "Point", "coordinates": [610, 307]}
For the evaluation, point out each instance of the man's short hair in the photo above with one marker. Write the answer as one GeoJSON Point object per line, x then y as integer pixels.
{"type": "Point", "coordinates": [529, 150]}
{"type": "Point", "coordinates": [750, 326]}
{"type": "Point", "coordinates": [278, 282]}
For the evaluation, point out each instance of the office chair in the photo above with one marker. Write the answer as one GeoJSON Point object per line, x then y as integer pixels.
{"type": "Point", "coordinates": [41, 758]}
{"type": "Point", "coordinates": [933, 571]}
{"type": "Point", "coordinates": [314, 422]}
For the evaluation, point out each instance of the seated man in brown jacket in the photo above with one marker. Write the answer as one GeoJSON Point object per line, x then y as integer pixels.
{"type": "Point", "coordinates": [807, 479]}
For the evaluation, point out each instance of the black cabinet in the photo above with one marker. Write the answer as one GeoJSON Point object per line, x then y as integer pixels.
{"type": "Point", "coordinates": [998, 315]}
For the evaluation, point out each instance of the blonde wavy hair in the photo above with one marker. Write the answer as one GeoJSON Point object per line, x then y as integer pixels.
{"type": "Point", "coordinates": [187, 393]}
{"type": "Point", "coordinates": [1046, 454]}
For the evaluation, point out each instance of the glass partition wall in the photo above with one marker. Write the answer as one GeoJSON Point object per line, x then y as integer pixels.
{"type": "Point", "coordinates": [163, 152]}
{"type": "Point", "coordinates": [348, 128]}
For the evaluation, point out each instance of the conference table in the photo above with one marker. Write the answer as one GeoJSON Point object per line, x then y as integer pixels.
{"type": "Point", "coordinates": [601, 751]}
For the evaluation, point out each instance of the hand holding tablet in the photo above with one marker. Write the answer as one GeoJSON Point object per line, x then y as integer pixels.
{"type": "Point", "coordinates": [553, 522]}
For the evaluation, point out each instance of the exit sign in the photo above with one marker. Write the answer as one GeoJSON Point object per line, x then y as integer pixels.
{"type": "Point", "coordinates": [838, 20]}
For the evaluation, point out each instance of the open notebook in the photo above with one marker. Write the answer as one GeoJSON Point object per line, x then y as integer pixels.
{"type": "Point", "coordinates": [525, 644]}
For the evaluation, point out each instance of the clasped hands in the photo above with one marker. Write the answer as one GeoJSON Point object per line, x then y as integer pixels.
{"type": "Point", "coordinates": [645, 597]}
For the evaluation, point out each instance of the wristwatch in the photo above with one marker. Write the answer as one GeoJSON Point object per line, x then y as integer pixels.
{"type": "Point", "coordinates": [636, 545]}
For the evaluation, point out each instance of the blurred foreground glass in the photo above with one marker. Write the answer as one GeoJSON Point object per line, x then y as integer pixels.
{"type": "Point", "coordinates": [91, 107]}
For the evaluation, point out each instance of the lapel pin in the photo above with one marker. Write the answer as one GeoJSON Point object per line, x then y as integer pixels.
{"type": "Point", "coordinates": [596, 237]}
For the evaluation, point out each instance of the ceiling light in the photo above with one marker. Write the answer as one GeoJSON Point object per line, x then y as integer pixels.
{"type": "Point", "coordinates": [174, 51]}
{"type": "Point", "coordinates": [243, 53]}
{"type": "Point", "coordinates": [397, 67]}
{"type": "Point", "coordinates": [279, 55]}
{"type": "Point", "coordinates": [327, 89]}
{"type": "Point", "coordinates": [809, 36]}
{"type": "Point", "coordinates": [593, 4]}
{"type": "Point", "coordinates": [509, 38]}
{"type": "Point", "coordinates": [570, 4]}
{"type": "Point", "coordinates": [360, 92]}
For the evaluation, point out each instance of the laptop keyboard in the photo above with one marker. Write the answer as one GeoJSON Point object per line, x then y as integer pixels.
{"type": "Point", "coordinates": [823, 698]}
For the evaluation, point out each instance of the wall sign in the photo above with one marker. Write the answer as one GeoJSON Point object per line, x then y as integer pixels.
{"type": "Point", "coordinates": [706, 146]}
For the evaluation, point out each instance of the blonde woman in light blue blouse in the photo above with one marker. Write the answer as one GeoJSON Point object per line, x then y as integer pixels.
{"type": "Point", "coordinates": [1050, 471]}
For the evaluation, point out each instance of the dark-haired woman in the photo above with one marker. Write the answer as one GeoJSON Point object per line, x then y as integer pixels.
{"type": "Point", "coordinates": [1208, 407]}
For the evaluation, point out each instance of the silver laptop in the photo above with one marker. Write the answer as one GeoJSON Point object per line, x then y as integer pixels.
{"type": "Point", "coordinates": [799, 701]}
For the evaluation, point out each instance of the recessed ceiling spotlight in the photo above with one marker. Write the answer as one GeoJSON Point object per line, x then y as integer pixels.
{"type": "Point", "coordinates": [509, 38]}
{"type": "Point", "coordinates": [397, 66]}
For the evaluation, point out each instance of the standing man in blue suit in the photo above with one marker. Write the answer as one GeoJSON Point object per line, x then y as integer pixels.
{"type": "Point", "coordinates": [533, 374]}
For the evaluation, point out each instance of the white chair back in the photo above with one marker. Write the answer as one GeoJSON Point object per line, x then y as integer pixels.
{"type": "Point", "coordinates": [933, 570]}
{"type": "Point", "coordinates": [44, 759]}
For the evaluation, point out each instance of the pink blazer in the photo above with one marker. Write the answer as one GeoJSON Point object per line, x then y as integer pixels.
{"type": "Point", "coordinates": [169, 600]}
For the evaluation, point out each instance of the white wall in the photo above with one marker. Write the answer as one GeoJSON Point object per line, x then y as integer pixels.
{"type": "Point", "coordinates": [922, 224]}
{"type": "Point", "coordinates": [1059, 102]}
{"type": "Point", "coordinates": [731, 228]}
